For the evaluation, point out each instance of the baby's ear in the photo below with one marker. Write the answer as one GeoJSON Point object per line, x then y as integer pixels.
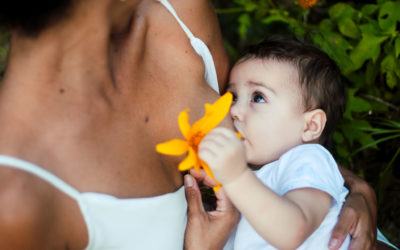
{"type": "Point", "coordinates": [315, 123]}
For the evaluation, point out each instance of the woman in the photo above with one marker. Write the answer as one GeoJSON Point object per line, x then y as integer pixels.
{"type": "Point", "coordinates": [90, 88]}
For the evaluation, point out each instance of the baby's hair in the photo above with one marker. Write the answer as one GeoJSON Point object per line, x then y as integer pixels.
{"type": "Point", "coordinates": [30, 17]}
{"type": "Point", "coordinates": [319, 77]}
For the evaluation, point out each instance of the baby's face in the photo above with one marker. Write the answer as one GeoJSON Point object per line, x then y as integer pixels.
{"type": "Point", "coordinates": [267, 108]}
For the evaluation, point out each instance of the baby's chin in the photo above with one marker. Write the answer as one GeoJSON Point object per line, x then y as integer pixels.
{"type": "Point", "coordinates": [254, 167]}
{"type": "Point", "coordinates": [256, 163]}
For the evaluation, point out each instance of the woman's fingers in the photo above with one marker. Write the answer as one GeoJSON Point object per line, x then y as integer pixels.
{"type": "Point", "coordinates": [203, 177]}
{"type": "Point", "coordinates": [197, 221]}
{"type": "Point", "coordinates": [193, 196]}
{"type": "Point", "coordinates": [355, 220]}
{"type": "Point", "coordinates": [346, 221]}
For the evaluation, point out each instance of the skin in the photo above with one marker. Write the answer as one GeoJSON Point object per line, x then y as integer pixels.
{"type": "Point", "coordinates": [268, 111]}
{"type": "Point", "coordinates": [90, 107]}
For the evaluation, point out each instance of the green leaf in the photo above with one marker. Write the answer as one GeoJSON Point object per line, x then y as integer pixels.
{"type": "Point", "coordinates": [3, 53]}
{"type": "Point", "coordinates": [341, 10]}
{"type": "Point", "coordinates": [371, 28]}
{"type": "Point", "coordinates": [368, 48]}
{"type": "Point", "coordinates": [358, 104]}
{"type": "Point", "coordinates": [371, 73]}
{"type": "Point", "coordinates": [326, 24]}
{"type": "Point", "coordinates": [388, 15]}
{"type": "Point", "coordinates": [348, 28]}
{"type": "Point", "coordinates": [369, 9]}
{"type": "Point", "coordinates": [262, 9]}
{"type": "Point", "coordinates": [397, 69]}
{"type": "Point", "coordinates": [391, 79]}
{"type": "Point", "coordinates": [342, 151]}
{"type": "Point", "coordinates": [357, 78]}
{"type": "Point", "coordinates": [353, 131]}
{"type": "Point", "coordinates": [250, 6]}
{"type": "Point", "coordinates": [335, 46]}
{"type": "Point", "coordinates": [338, 137]}
{"type": "Point", "coordinates": [297, 28]}
{"type": "Point", "coordinates": [247, 4]}
{"type": "Point", "coordinates": [355, 104]}
{"type": "Point", "coordinates": [244, 24]}
{"type": "Point", "coordinates": [274, 18]}
{"type": "Point", "coordinates": [233, 54]}
{"type": "Point", "coordinates": [374, 143]}
{"type": "Point", "coordinates": [397, 46]}
{"type": "Point", "coordinates": [388, 64]}
{"type": "Point", "coordinates": [391, 66]}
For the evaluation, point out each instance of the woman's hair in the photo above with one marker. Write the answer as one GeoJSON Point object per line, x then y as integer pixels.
{"type": "Point", "coordinates": [30, 17]}
{"type": "Point", "coordinates": [319, 76]}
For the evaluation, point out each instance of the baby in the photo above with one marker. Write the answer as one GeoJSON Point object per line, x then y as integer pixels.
{"type": "Point", "coordinates": [287, 99]}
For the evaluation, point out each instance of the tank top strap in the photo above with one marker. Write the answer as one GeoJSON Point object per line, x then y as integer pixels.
{"type": "Point", "coordinates": [173, 12]}
{"type": "Point", "coordinates": [200, 47]}
{"type": "Point", "coordinates": [12, 162]}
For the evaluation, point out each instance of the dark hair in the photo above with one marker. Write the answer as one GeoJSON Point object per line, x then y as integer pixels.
{"type": "Point", "coordinates": [31, 17]}
{"type": "Point", "coordinates": [319, 77]}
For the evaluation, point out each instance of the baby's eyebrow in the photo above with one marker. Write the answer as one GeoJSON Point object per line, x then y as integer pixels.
{"type": "Point", "coordinates": [262, 85]}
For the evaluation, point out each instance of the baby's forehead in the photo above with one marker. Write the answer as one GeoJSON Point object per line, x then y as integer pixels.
{"type": "Point", "coordinates": [285, 69]}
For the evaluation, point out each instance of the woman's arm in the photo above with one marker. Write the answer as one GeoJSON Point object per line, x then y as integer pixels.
{"type": "Point", "coordinates": [23, 213]}
{"type": "Point", "coordinates": [35, 215]}
{"type": "Point", "coordinates": [358, 216]}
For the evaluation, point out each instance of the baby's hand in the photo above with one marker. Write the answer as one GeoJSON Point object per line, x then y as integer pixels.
{"type": "Point", "coordinates": [224, 153]}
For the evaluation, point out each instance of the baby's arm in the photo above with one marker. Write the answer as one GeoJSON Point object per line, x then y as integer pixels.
{"type": "Point", "coordinates": [284, 222]}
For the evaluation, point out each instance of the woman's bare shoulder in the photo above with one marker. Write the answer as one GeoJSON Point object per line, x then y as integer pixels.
{"type": "Point", "coordinates": [25, 212]}
{"type": "Point", "coordinates": [200, 17]}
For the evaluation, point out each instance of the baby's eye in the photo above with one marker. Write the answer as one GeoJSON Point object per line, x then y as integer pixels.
{"type": "Point", "coordinates": [234, 97]}
{"type": "Point", "coordinates": [258, 98]}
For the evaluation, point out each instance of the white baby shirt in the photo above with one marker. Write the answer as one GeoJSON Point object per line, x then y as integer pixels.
{"type": "Point", "coordinates": [308, 165]}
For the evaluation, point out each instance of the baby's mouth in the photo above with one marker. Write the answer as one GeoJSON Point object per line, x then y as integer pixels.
{"type": "Point", "coordinates": [242, 138]}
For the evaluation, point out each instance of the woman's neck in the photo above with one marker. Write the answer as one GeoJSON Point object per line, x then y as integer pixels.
{"type": "Point", "coordinates": [59, 80]}
{"type": "Point", "coordinates": [73, 54]}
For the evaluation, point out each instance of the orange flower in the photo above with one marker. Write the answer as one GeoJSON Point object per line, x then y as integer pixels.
{"type": "Point", "coordinates": [307, 3]}
{"type": "Point", "coordinates": [215, 113]}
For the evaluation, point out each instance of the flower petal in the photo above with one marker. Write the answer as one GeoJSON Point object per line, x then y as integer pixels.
{"type": "Point", "coordinates": [209, 173]}
{"type": "Point", "coordinates": [189, 161]}
{"type": "Point", "coordinates": [197, 164]}
{"type": "Point", "coordinates": [172, 147]}
{"type": "Point", "coordinates": [183, 121]}
{"type": "Point", "coordinates": [214, 114]}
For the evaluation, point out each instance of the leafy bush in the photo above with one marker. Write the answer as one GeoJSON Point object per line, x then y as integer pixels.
{"type": "Point", "coordinates": [364, 40]}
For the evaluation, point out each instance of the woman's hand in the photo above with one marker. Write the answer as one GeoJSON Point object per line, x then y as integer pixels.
{"type": "Point", "coordinates": [358, 216]}
{"type": "Point", "coordinates": [207, 230]}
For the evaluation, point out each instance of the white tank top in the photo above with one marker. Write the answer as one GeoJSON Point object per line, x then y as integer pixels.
{"type": "Point", "coordinates": [201, 49]}
{"type": "Point", "coordinates": [142, 223]}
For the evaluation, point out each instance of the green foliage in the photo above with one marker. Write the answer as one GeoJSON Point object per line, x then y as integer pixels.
{"type": "Point", "coordinates": [364, 40]}
{"type": "Point", "coordinates": [3, 52]}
